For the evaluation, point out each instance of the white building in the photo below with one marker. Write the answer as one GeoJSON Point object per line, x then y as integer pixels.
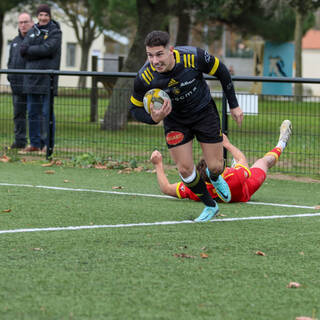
{"type": "Point", "coordinates": [109, 45]}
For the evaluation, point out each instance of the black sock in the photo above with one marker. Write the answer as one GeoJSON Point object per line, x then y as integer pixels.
{"type": "Point", "coordinates": [198, 187]}
{"type": "Point", "coordinates": [213, 177]}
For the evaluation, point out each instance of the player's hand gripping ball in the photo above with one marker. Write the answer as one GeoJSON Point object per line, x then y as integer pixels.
{"type": "Point", "coordinates": [156, 96]}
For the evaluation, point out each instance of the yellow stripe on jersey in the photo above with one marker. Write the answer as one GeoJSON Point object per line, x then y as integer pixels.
{"type": "Point", "coordinates": [215, 66]}
{"type": "Point", "coordinates": [177, 55]}
{"type": "Point", "coordinates": [145, 79]}
{"type": "Point", "coordinates": [136, 102]}
{"type": "Point", "coordinates": [147, 75]}
{"type": "Point", "coordinates": [150, 73]}
{"type": "Point", "coordinates": [188, 60]}
{"type": "Point", "coordinates": [152, 67]}
{"type": "Point", "coordinates": [244, 167]}
{"type": "Point", "coordinates": [185, 60]}
{"type": "Point", "coordinates": [177, 190]}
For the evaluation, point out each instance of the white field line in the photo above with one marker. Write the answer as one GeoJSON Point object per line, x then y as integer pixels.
{"type": "Point", "coordinates": [161, 223]}
{"type": "Point", "coordinates": [139, 194]}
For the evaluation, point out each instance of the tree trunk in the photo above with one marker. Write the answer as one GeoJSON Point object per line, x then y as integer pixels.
{"type": "Point", "coordinates": [1, 35]}
{"type": "Point", "coordinates": [85, 49]}
{"type": "Point", "coordinates": [298, 32]}
{"type": "Point", "coordinates": [184, 24]}
{"type": "Point", "coordinates": [152, 15]}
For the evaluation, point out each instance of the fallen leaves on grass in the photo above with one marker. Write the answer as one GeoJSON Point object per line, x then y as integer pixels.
{"type": "Point", "coordinates": [100, 166]}
{"type": "Point", "coordinates": [66, 181]}
{"type": "Point", "coordinates": [126, 170]}
{"type": "Point", "coordinates": [260, 253]}
{"type": "Point", "coordinates": [293, 285]}
{"type": "Point", "coordinates": [117, 187]}
{"type": "Point", "coordinates": [183, 255]}
{"type": "Point", "coordinates": [4, 158]}
{"type": "Point", "coordinates": [221, 215]}
{"type": "Point", "coordinates": [37, 249]}
{"type": "Point", "coordinates": [50, 172]}
{"type": "Point", "coordinates": [6, 210]}
{"type": "Point", "coordinates": [204, 255]}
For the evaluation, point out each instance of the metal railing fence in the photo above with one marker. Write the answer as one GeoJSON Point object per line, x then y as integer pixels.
{"type": "Point", "coordinates": [77, 135]}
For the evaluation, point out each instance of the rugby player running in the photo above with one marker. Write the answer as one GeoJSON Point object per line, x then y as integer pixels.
{"type": "Point", "coordinates": [190, 113]}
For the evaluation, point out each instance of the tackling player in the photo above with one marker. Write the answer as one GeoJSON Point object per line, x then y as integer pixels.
{"type": "Point", "coordinates": [191, 112]}
{"type": "Point", "coordinates": [243, 182]}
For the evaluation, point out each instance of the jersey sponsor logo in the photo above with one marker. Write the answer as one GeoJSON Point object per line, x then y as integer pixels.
{"type": "Point", "coordinates": [186, 95]}
{"type": "Point", "coordinates": [174, 137]}
{"type": "Point", "coordinates": [206, 56]}
{"type": "Point", "coordinates": [187, 83]}
{"type": "Point", "coordinates": [172, 83]}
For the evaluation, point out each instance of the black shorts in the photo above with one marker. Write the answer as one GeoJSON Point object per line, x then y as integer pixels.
{"type": "Point", "coordinates": [205, 126]}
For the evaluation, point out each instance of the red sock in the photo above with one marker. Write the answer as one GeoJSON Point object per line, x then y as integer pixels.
{"type": "Point", "coordinates": [276, 152]}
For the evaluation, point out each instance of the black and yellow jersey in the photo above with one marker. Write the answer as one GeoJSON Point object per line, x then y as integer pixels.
{"type": "Point", "coordinates": [185, 84]}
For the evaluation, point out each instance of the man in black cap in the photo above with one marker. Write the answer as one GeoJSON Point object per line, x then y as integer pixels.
{"type": "Point", "coordinates": [42, 50]}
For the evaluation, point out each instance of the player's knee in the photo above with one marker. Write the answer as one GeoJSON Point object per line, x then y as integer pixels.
{"type": "Point", "coordinates": [216, 171]}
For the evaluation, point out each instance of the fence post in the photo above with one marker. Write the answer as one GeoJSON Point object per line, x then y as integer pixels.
{"type": "Point", "coordinates": [224, 123]}
{"type": "Point", "coordinates": [51, 119]}
{"type": "Point", "coordinates": [94, 92]}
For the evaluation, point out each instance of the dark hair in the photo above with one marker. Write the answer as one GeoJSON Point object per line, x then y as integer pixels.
{"type": "Point", "coordinates": [201, 168]}
{"type": "Point", "coordinates": [157, 38]}
{"type": "Point", "coordinates": [44, 8]}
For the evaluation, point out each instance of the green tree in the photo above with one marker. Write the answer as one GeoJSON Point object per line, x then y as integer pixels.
{"type": "Point", "coordinates": [151, 15]}
{"type": "Point", "coordinates": [302, 9]}
{"type": "Point", "coordinates": [79, 15]}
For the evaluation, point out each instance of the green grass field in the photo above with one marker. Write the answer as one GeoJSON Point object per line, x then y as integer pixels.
{"type": "Point", "coordinates": [122, 265]}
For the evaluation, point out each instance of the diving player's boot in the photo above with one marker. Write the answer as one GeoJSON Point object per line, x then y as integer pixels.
{"type": "Point", "coordinates": [285, 131]}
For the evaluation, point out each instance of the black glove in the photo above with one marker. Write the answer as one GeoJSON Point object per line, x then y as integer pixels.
{"type": "Point", "coordinates": [23, 49]}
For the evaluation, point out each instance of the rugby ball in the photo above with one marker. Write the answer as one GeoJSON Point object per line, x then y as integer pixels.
{"type": "Point", "coordinates": [156, 96]}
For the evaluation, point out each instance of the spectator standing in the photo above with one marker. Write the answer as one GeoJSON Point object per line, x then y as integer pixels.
{"type": "Point", "coordinates": [19, 99]}
{"type": "Point", "coordinates": [42, 50]}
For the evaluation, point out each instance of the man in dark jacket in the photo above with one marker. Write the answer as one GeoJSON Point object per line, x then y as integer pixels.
{"type": "Point", "coordinates": [16, 61]}
{"type": "Point", "coordinates": [42, 50]}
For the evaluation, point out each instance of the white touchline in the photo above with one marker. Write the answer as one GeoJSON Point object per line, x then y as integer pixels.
{"type": "Point", "coordinates": [148, 224]}
{"type": "Point", "coordinates": [140, 194]}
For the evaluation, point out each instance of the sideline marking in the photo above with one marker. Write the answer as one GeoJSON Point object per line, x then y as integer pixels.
{"type": "Point", "coordinates": [145, 224]}
{"type": "Point", "coordinates": [141, 194]}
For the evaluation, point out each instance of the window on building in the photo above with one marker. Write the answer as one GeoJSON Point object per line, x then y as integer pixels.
{"type": "Point", "coordinates": [71, 54]}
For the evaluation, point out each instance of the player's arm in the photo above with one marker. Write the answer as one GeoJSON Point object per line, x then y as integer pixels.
{"type": "Point", "coordinates": [136, 103]}
{"type": "Point", "coordinates": [165, 186]}
{"type": "Point", "coordinates": [214, 67]}
{"type": "Point", "coordinates": [238, 156]}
